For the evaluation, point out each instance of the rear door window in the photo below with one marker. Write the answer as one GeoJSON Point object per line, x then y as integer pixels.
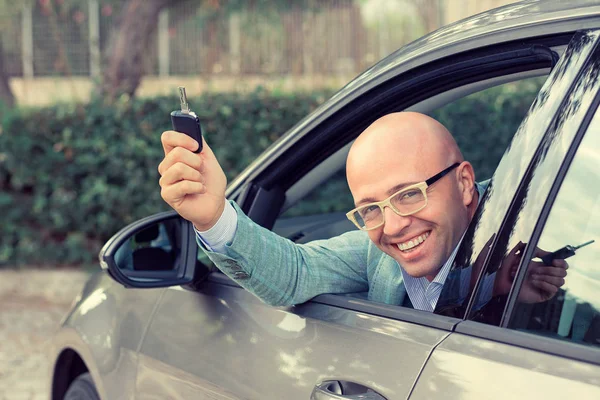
{"type": "Point", "coordinates": [574, 312]}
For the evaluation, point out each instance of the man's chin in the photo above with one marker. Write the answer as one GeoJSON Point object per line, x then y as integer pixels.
{"type": "Point", "coordinates": [420, 272]}
{"type": "Point", "coordinates": [424, 268]}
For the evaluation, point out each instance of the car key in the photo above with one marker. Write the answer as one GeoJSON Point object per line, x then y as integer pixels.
{"type": "Point", "coordinates": [563, 253]}
{"type": "Point", "coordinates": [186, 121]}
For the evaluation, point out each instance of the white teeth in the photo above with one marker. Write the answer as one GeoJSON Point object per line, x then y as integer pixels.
{"type": "Point", "coordinates": [413, 242]}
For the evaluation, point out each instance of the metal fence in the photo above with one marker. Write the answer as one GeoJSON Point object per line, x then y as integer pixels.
{"type": "Point", "coordinates": [67, 38]}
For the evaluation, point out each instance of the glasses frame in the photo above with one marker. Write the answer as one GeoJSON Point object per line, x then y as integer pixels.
{"type": "Point", "coordinates": [387, 202]}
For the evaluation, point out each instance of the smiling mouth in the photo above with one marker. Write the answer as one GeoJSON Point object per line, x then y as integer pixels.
{"type": "Point", "coordinates": [414, 242]}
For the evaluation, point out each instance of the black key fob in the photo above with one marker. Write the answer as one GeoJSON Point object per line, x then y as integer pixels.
{"type": "Point", "coordinates": [186, 121]}
{"type": "Point", "coordinates": [560, 254]}
{"type": "Point", "coordinates": [563, 253]}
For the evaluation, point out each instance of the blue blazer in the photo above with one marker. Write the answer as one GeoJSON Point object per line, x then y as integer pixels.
{"type": "Point", "coordinates": [282, 273]}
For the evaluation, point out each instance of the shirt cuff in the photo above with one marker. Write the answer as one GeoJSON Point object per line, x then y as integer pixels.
{"type": "Point", "coordinates": [222, 233]}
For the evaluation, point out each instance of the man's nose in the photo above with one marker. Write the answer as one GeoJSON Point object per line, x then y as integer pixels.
{"type": "Point", "coordinates": [394, 223]}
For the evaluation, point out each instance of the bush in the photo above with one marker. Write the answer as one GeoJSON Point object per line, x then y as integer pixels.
{"type": "Point", "coordinates": [484, 123]}
{"type": "Point", "coordinates": [72, 175]}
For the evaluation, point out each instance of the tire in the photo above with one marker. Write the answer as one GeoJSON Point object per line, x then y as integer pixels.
{"type": "Point", "coordinates": [82, 388]}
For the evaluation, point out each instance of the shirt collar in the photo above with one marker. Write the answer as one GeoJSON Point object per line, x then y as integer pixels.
{"type": "Point", "coordinates": [417, 287]}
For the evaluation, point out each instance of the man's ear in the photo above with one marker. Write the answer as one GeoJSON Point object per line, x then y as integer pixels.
{"type": "Point", "coordinates": [466, 183]}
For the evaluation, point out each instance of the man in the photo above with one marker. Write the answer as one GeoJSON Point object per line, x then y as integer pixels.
{"type": "Point", "coordinates": [415, 196]}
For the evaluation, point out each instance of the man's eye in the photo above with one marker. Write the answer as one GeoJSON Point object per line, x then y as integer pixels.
{"type": "Point", "coordinates": [409, 194]}
{"type": "Point", "coordinates": [369, 210]}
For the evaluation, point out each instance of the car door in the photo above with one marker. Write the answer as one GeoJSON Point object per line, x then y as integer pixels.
{"type": "Point", "coordinates": [218, 341]}
{"type": "Point", "coordinates": [521, 348]}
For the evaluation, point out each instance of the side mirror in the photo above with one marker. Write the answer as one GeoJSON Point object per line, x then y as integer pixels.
{"type": "Point", "coordinates": [157, 251]}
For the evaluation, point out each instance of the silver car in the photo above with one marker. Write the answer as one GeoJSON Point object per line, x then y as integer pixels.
{"type": "Point", "coordinates": [160, 322]}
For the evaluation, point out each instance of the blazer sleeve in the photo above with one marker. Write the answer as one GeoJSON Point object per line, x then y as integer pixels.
{"type": "Point", "coordinates": [282, 273]}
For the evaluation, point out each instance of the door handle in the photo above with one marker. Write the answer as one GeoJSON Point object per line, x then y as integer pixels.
{"type": "Point", "coordinates": [341, 390]}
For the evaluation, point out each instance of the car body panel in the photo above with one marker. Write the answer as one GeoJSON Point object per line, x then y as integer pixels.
{"type": "Point", "coordinates": [223, 339]}
{"type": "Point", "coordinates": [105, 328]}
{"type": "Point", "coordinates": [467, 367]}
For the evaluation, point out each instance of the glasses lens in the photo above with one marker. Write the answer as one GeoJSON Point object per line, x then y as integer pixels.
{"type": "Point", "coordinates": [409, 200]}
{"type": "Point", "coordinates": [368, 216]}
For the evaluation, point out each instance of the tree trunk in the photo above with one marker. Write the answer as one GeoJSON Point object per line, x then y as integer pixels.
{"type": "Point", "coordinates": [294, 46]}
{"type": "Point", "coordinates": [429, 13]}
{"type": "Point", "coordinates": [6, 94]}
{"type": "Point", "coordinates": [127, 46]}
{"type": "Point", "coordinates": [358, 38]}
{"type": "Point", "coordinates": [212, 40]}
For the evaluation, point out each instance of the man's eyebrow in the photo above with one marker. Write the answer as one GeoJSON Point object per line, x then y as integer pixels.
{"type": "Point", "coordinates": [390, 192]}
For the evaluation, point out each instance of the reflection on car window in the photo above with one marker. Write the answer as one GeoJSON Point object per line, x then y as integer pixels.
{"type": "Point", "coordinates": [484, 123]}
{"type": "Point", "coordinates": [499, 235]}
{"type": "Point", "coordinates": [574, 313]}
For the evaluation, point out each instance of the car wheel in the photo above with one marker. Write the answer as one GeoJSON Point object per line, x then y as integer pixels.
{"type": "Point", "coordinates": [82, 388]}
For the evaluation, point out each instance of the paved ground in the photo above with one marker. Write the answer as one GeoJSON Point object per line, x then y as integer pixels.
{"type": "Point", "coordinates": [32, 303]}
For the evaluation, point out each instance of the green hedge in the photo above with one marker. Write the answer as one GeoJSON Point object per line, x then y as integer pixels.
{"type": "Point", "coordinates": [484, 123]}
{"type": "Point", "coordinates": [72, 175]}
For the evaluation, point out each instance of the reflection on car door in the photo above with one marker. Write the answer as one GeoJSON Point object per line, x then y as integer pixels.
{"type": "Point", "coordinates": [484, 359]}
{"type": "Point", "coordinates": [221, 342]}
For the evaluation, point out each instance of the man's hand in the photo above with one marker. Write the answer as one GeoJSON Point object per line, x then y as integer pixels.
{"type": "Point", "coordinates": [193, 184]}
{"type": "Point", "coordinates": [541, 282]}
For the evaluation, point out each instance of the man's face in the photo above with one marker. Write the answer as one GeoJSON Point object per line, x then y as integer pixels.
{"type": "Point", "coordinates": [437, 228]}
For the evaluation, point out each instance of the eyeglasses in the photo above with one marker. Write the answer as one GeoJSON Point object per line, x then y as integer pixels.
{"type": "Point", "coordinates": [406, 201]}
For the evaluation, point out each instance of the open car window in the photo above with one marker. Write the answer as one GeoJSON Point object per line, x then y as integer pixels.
{"type": "Point", "coordinates": [483, 140]}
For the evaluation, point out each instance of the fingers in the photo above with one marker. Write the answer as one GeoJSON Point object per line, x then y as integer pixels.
{"type": "Point", "coordinates": [179, 172]}
{"type": "Point", "coordinates": [541, 269]}
{"type": "Point", "coordinates": [180, 155]}
{"type": "Point", "coordinates": [552, 280]}
{"type": "Point", "coordinates": [560, 263]}
{"type": "Point", "coordinates": [518, 248]}
{"type": "Point", "coordinates": [516, 252]}
{"type": "Point", "coordinates": [546, 287]}
{"type": "Point", "coordinates": [178, 191]}
{"type": "Point", "coordinates": [512, 260]}
{"type": "Point", "coordinates": [537, 252]}
{"type": "Point", "coordinates": [173, 139]}
{"type": "Point", "coordinates": [550, 275]}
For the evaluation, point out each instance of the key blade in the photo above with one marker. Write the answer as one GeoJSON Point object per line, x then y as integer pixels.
{"type": "Point", "coordinates": [185, 108]}
{"type": "Point", "coordinates": [585, 244]}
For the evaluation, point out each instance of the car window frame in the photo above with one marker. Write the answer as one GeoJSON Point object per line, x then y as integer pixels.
{"type": "Point", "coordinates": [333, 127]}
{"type": "Point", "coordinates": [530, 340]}
{"type": "Point", "coordinates": [507, 183]}
{"type": "Point", "coordinates": [264, 182]}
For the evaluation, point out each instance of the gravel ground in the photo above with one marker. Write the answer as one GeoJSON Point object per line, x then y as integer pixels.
{"type": "Point", "coordinates": [32, 304]}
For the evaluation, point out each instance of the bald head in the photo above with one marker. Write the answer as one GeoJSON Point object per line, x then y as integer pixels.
{"type": "Point", "coordinates": [412, 137]}
{"type": "Point", "coordinates": [404, 149]}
